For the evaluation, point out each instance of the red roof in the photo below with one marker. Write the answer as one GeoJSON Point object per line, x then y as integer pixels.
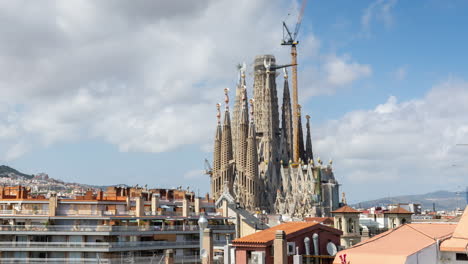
{"type": "Point", "coordinates": [290, 228]}
{"type": "Point", "coordinates": [346, 209]}
{"type": "Point", "coordinates": [459, 240]}
{"type": "Point", "coordinates": [268, 235]}
{"type": "Point", "coordinates": [319, 219]}
{"type": "Point", "coordinates": [397, 245]}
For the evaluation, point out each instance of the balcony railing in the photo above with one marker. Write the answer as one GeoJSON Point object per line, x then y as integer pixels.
{"type": "Point", "coordinates": [153, 259]}
{"type": "Point", "coordinates": [24, 212]}
{"type": "Point", "coordinates": [94, 212]}
{"type": "Point", "coordinates": [164, 213]}
{"type": "Point", "coordinates": [103, 228]}
{"type": "Point", "coordinates": [98, 213]}
{"type": "Point", "coordinates": [105, 245]}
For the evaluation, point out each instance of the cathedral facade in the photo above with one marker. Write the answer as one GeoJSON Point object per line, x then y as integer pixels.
{"type": "Point", "coordinates": [253, 161]}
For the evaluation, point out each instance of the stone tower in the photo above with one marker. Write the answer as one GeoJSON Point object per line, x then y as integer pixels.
{"type": "Point", "coordinates": [309, 152]}
{"type": "Point", "coordinates": [286, 122]}
{"type": "Point", "coordinates": [251, 184]}
{"type": "Point", "coordinates": [241, 152]}
{"type": "Point", "coordinates": [227, 169]}
{"type": "Point", "coordinates": [302, 155]}
{"type": "Point", "coordinates": [347, 220]}
{"type": "Point", "coordinates": [216, 183]}
{"type": "Point", "coordinates": [239, 103]}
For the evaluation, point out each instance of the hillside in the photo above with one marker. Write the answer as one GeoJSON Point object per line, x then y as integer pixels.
{"type": "Point", "coordinates": [444, 200]}
{"type": "Point", "coordinates": [6, 171]}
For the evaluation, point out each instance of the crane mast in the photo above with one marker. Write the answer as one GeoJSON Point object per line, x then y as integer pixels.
{"type": "Point", "coordinates": [290, 39]}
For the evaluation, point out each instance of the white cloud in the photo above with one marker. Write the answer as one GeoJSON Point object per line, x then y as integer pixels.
{"type": "Point", "coordinates": [144, 76]}
{"type": "Point", "coordinates": [407, 147]}
{"type": "Point", "coordinates": [378, 11]}
{"type": "Point", "coordinates": [339, 71]}
{"type": "Point", "coordinates": [334, 72]}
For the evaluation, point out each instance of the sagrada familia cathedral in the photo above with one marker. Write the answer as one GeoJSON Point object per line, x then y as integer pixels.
{"type": "Point", "coordinates": [262, 165]}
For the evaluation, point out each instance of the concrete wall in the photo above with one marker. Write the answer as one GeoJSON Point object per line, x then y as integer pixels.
{"type": "Point", "coordinates": [427, 256]}
{"type": "Point", "coordinates": [450, 258]}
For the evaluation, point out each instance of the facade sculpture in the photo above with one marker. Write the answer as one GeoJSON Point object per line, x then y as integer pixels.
{"type": "Point", "coordinates": [253, 155]}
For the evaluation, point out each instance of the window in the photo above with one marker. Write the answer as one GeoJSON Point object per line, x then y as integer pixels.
{"type": "Point", "coordinates": [291, 248]}
{"type": "Point", "coordinates": [350, 225]}
{"type": "Point", "coordinates": [462, 256]}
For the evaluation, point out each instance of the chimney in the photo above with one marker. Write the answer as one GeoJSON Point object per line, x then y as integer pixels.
{"type": "Point", "coordinates": [315, 237]}
{"type": "Point", "coordinates": [129, 203]}
{"type": "Point", "coordinates": [154, 204]}
{"type": "Point", "coordinates": [100, 195]}
{"type": "Point", "coordinates": [207, 257]}
{"type": "Point", "coordinates": [53, 204]}
{"type": "Point", "coordinates": [140, 207]}
{"type": "Point", "coordinates": [307, 245]}
{"type": "Point", "coordinates": [197, 205]}
{"type": "Point", "coordinates": [185, 207]}
{"type": "Point", "coordinates": [279, 247]}
{"type": "Point", "coordinates": [169, 256]}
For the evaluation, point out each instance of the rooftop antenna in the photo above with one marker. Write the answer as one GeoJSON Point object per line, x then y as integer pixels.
{"type": "Point", "coordinates": [290, 39]}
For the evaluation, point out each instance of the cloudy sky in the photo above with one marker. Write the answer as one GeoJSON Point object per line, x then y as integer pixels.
{"type": "Point", "coordinates": [116, 91]}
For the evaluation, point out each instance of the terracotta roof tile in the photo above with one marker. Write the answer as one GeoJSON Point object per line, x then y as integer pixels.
{"type": "Point", "coordinates": [346, 209]}
{"type": "Point", "coordinates": [317, 219]}
{"type": "Point", "coordinates": [459, 239]}
{"type": "Point", "coordinates": [396, 245]}
{"type": "Point", "coordinates": [268, 235]}
{"type": "Point", "coordinates": [398, 210]}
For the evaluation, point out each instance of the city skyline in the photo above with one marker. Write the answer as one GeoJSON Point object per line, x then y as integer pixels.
{"type": "Point", "coordinates": [110, 92]}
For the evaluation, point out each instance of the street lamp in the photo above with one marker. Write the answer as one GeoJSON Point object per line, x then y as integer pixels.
{"type": "Point", "coordinates": [202, 224]}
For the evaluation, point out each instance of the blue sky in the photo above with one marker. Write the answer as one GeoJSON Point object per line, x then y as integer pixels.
{"type": "Point", "coordinates": [113, 92]}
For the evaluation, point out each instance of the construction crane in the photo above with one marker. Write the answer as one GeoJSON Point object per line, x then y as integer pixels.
{"type": "Point", "coordinates": [208, 169]}
{"type": "Point", "coordinates": [290, 39]}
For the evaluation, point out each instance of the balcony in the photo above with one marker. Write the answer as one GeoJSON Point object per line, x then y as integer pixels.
{"type": "Point", "coordinates": [24, 212]}
{"type": "Point", "coordinates": [100, 246]}
{"type": "Point", "coordinates": [104, 228]}
{"type": "Point", "coordinates": [94, 213]}
{"type": "Point", "coordinates": [153, 259]}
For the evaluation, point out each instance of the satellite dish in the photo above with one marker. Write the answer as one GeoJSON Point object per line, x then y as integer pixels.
{"type": "Point", "coordinates": [203, 253]}
{"type": "Point", "coordinates": [331, 249]}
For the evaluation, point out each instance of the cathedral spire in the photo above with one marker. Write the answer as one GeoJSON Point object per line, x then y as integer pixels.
{"type": "Point", "coordinates": [238, 104]}
{"type": "Point", "coordinates": [286, 119]}
{"type": "Point", "coordinates": [242, 134]}
{"type": "Point", "coordinates": [251, 166]}
{"type": "Point", "coordinates": [302, 155]}
{"type": "Point", "coordinates": [267, 119]}
{"type": "Point", "coordinates": [226, 146]}
{"type": "Point", "coordinates": [216, 184]}
{"type": "Point", "coordinates": [309, 153]}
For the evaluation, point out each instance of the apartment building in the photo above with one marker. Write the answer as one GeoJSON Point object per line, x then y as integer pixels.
{"type": "Point", "coordinates": [119, 225]}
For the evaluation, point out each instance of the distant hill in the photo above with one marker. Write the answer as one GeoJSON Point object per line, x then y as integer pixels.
{"type": "Point", "coordinates": [6, 171]}
{"type": "Point", "coordinates": [444, 200]}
